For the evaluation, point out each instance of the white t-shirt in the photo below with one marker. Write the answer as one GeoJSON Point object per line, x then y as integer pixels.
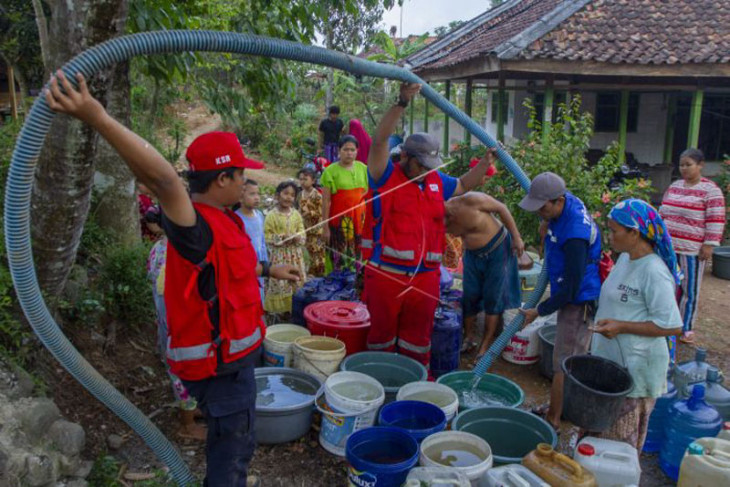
{"type": "Point", "coordinates": [639, 290]}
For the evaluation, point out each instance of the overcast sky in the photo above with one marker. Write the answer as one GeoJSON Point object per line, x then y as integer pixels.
{"type": "Point", "coordinates": [420, 16]}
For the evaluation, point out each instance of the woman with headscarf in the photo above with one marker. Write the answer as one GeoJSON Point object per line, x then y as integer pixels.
{"type": "Point", "coordinates": [637, 311]}
{"type": "Point", "coordinates": [363, 140]}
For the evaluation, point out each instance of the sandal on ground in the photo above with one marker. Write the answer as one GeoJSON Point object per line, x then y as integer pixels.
{"type": "Point", "coordinates": [468, 346]}
{"type": "Point", "coordinates": [688, 338]}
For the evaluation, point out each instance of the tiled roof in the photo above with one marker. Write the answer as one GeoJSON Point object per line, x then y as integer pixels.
{"type": "Point", "coordinates": [641, 32]}
{"type": "Point", "coordinates": [611, 31]}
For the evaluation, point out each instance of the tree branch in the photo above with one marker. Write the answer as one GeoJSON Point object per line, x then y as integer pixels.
{"type": "Point", "coordinates": [40, 19]}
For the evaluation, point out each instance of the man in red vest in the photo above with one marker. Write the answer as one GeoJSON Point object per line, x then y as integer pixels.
{"type": "Point", "coordinates": [404, 235]}
{"type": "Point", "coordinates": [214, 311]}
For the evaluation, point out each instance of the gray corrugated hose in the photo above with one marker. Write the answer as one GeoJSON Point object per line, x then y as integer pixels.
{"type": "Point", "coordinates": [28, 148]}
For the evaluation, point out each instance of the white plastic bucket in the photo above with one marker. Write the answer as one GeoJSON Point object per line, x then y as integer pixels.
{"type": "Point", "coordinates": [337, 427]}
{"type": "Point", "coordinates": [438, 394]}
{"type": "Point", "coordinates": [454, 441]}
{"type": "Point", "coordinates": [278, 344]}
{"type": "Point", "coordinates": [318, 355]}
{"type": "Point", "coordinates": [524, 347]}
{"type": "Point", "coordinates": [352, 392]}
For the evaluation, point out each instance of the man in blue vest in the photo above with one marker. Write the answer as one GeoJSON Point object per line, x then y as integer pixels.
{"type": "Point", "coordinates": [572, 252]}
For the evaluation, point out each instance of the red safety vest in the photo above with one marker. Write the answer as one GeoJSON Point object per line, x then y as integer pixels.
{"type": "Point", "coordinates": [412, 230]}
{"type": "Point", "coordinates": [192, 343]}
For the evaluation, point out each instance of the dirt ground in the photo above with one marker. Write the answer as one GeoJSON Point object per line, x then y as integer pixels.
{"type": "Point", "coordinates": [136, 370]}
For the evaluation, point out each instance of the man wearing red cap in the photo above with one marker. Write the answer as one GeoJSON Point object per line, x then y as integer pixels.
{"type": "Point", "coordinates": [214, 310]}
{"type": "Point", "coordinates": [404, 235]}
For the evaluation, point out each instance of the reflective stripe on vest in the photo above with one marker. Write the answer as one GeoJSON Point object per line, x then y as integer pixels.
{"type": "Point", "coordinates": [182, 354]}
{"type": "Point", "coordinates": [413, 348]}
{"type": "Point", "coordinates": [199, 352]}
{"type": "Point", "coordinates": [434, 257]}
{"type": "Point", "coordinates": [398, 254]}
{"type": "Point", "coordinates": [366, 244]}
{"type": "Point", "coordinates": [381, 346]}
{"type": "Point", "coordinates": [236, 346]}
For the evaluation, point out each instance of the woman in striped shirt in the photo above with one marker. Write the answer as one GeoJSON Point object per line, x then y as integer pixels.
{"type": "Point", "coordinates": [693, 209]}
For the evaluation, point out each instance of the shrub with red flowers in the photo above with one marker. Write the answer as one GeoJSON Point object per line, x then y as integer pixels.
{"type": "Point", "coordinates": [562, 151]}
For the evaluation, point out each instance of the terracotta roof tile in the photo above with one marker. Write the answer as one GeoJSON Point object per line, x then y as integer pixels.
{"type": "Point", "coordinates": [610, 31]}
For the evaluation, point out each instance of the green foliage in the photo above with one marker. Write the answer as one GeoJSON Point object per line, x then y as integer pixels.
{"type": "Point", "coordinates": [723, 181]}
{"type": "Point", "coordinates": [19, 43]}
{"type": "Point", "coordinates": [105, 473]}
{"type": "Point", "coordinates": [394, 52]}
{"type": "Point", "coordinates": [562, 152]}
{"type": "Point", "coordinates": [16, 338]}
{"type": "Point", "coordinates": [124, 286]}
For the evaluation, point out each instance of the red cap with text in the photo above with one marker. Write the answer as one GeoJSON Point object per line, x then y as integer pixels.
{"type": "Point", "coordinates": [218, 150]}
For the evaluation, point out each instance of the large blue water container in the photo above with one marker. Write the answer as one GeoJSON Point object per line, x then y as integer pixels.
{"type": "Point", "coordinates": [445, 341]}
{"type": "Point", "coordinates": [716, 395]}
{"type": "Point", "coordinates": [453, 298]}
{"type": "Point", "coordinates": [658, 420]}
{"type": "Point", "coordinates": [696, 370]}
{"type": "Point", "coordinates": [688, 419]}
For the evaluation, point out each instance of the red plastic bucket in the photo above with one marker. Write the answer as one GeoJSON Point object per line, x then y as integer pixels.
{"type": "Point", "coordinates": [344, 320]}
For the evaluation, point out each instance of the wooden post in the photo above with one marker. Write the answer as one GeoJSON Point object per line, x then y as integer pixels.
{"type": "Point", "coordinates": [547, 111]}
{"type": "Point", "coordinates": [447, 95]}
{"type": "Point", "coordinates": [695, 116]}
{"type": "Point", "coordinates": [410, 117]}
{"type": "Point", "coordinates": [425, 115]}
{"type": "Point", "coordinates": [623, 123]}
{"type": "Point", "coordinates": [11, 87]}
{"type": "Point", "coordinates": [669, 132]}
{"type": "Point", "coordinates": [467, 110]}
{"type": "Point", "coordinates": [501, 116]}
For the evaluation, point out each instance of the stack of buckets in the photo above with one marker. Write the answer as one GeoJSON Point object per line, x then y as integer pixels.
{"type": "Point", "coordinates": [349, 402]}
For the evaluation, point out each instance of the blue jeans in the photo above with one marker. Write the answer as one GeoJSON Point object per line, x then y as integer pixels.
{"type": "Point", "coordinates": [229, 404]}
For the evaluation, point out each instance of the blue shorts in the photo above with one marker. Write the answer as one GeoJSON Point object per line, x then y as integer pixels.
{"type": "Point", "coordinates": [491, 277]}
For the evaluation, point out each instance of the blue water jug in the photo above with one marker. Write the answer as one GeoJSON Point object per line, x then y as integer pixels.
{"type": "Point", "coordinates": [445, 341]}
{"type": "Point", "coordinates": [301, 299]}
{"type": "Point", "coordinates": [687, 420]}
{"type": "Point", "coordinates": [658, 419]}
{"type": "Point", "coordinates": [446, 280]}
{"type": "Point", "coordinates": [716, 395]}
{"type": "Point", "coordinates": [696, 370]}
{"type": "Point", "coordinates": [453, 298]}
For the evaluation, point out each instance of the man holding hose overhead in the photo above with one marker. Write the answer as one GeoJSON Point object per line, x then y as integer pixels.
{"type": "Point", "coordinates": [404, 235]}
{"type": "Point", "coordinates": [215, 326]}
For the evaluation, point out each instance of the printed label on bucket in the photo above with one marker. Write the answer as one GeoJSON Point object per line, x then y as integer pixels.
{"type": "Point", "coordinates": [273, 359]}
{"type": "Point", "coordinates": [357, 478]}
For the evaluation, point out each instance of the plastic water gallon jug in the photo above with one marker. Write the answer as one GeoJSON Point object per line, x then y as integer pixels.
{"type": "Point", "coordinates": [513, 475]}
{"type": "Point", "coordinates": [445, 341]}
{"type": "Point", "coordinates": [706, 463]}
{"type": "Point", "coordinates": [658, 419]}
{"type": "Point", "coordinates": [614, 463]}
{"type": "Point", "coordinates": [688, 420]}
{"type": "Point", "coordinates": [436, 477]}
{"type": "Point", "coordinates": [716, 395]}
{"type": "Point", "coordinates": [558, 469]}
{"type": "Point", "coordinates": [446, 280]}
{"type": "Point", "coordinates": [725, 431]}
{"type": "Point", "coordinates": [696, 369]}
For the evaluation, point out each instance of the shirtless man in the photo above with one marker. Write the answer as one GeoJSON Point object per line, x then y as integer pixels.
{"type": "Point", "coordinates": [492, 246]}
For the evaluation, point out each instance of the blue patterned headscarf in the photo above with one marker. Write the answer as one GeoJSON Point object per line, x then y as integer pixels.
{"type": "Point", "coordinates": [641, 216]}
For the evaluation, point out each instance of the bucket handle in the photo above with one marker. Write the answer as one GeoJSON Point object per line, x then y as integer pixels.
{"type": "Point", "coordinates": [304, 356]}
{"type": "Point", "coordinates": [331, 414]}
{"type": "Point", "coordinates": [570, 464]}
{"type": "Point", "coordinates": [618, 345]}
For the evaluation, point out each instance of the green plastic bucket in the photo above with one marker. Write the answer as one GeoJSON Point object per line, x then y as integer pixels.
{"type": "Point", "coordinates": [493, 385]}
{"type": "Point", "coordinates": [390, 369]}
{"type": "Point", "coordinates": [511, 433]}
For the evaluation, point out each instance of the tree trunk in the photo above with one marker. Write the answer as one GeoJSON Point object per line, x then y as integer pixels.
{"type": "Point", "coordinates": [42, 22]}
{"type": "Point", "coordinates": [65, 170]}
{"type": "Point", "coordinates": [114, 184]}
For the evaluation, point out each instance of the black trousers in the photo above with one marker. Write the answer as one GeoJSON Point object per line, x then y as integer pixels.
{"type": "Point", "coordinates": [229, 404]}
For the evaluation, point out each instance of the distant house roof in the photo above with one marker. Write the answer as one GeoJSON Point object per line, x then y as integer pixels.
{"type": "Point", "coordinates": [633, 32]}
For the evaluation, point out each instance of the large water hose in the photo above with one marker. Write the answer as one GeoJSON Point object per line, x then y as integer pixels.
{"type": "Point", "coordinates": [28, 148]}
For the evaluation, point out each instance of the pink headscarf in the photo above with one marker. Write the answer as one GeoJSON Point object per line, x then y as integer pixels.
{"type": "Point", "coordinates": [363, 140]}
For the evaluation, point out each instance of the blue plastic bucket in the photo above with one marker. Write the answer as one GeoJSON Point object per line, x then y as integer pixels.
{"type": "Point", "coordinates": [420, 419]}
{"type": "Point", "coordinates": [380, 457]}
